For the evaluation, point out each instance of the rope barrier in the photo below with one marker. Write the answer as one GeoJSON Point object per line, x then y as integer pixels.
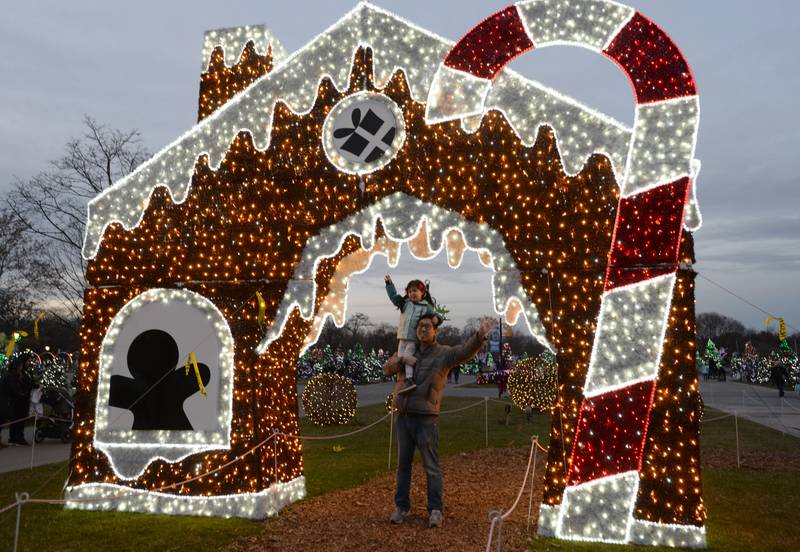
{"type": "Point", "coordinates": [453, 411]}
{"type": "Point", "coordinates": [274, 434]}
{"type": "Point", "coordinates": [120, 494]}
{"type": "Point", "coordinates": [715, 419]}
{"type": "Point", "coordinates": [772, 413]}
{"type": "Point", "coordinates": [497, 516]}
{"type": "Point", "coordinates": [16, 421]}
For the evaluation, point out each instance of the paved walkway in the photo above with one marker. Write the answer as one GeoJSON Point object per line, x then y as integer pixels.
{"type": "Point", "coordinates": [18, 458]}
{"type": "Point", "coordinates": [755, 403]}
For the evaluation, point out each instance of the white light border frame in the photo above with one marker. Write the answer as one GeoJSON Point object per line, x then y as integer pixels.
{"type": "Point", "coordinates": [344, 164]}
{"type": "Point", "coordinates": [692, 218]}
{"type": "Point", "coordinates": [89, 496]}
{"type": "Point", "coordinates": [662, 534]}
{"type": "Point", "coordinates": [178, 182]}
{"type": "Point", "coordinates": [362, 225]}
{"type": "Point", "coordinates": [163, 444]}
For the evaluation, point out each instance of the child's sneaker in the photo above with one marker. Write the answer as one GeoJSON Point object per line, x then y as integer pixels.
{"type": "Point", "coordinates": [407, 388]}
{"type": "Point", "coordinates": [436, 518]}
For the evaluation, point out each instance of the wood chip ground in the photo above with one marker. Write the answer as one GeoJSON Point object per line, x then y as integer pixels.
{"type": "Point", "coordinates": [475, 483]}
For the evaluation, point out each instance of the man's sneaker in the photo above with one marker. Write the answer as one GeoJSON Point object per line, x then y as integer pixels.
{"type": "Point", "coordinates": [398, 516]}
{"type": "Point", "coordinates": [436, 518]}
{"type": "Point", "coordinates": [409, 386]}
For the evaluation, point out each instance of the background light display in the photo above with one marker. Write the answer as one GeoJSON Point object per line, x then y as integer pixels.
{"type": "Point", "coordinates": [330, 399]}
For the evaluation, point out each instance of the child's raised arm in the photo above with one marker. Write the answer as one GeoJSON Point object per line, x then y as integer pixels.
{"type": "Point", "coordinates": [391, 291]}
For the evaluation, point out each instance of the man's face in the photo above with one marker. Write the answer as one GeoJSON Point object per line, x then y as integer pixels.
{"type": "Point", "coordinates": [426, 333]}
{"type": "Point", "coordinates": [415, 294]}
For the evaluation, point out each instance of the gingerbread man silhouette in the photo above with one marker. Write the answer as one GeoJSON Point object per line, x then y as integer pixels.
{"type": "Point", "coordinates": [159, 386]}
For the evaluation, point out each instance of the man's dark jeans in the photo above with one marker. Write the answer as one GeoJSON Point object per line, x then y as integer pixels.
{"type": "Point", "coordinates": [422, 432]}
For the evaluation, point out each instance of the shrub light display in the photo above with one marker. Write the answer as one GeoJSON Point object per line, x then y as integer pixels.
{"type": "Point", "coordinates": [586, 224]}
{"type": "Point", "coordinates": [330, 399]}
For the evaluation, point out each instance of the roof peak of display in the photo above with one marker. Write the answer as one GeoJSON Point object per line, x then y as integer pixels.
{"type": "Point", "coordinates": [294, 81]}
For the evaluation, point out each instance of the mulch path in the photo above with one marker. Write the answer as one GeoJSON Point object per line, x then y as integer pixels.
{"type": "Point", "coordinates": [475, 483]}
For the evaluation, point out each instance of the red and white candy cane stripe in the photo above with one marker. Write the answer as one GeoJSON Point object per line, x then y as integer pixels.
{"type": "Point", "coordinates": [603, 477]}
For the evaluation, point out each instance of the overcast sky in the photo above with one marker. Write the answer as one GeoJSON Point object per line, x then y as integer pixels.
{"type": "Point", "coordinates": [136, 65]}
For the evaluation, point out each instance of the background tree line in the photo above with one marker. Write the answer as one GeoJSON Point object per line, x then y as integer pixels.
{"type": "Point", "coordinates": [731, 334]}
{"type": "Point", "coordinates": [359, 329]}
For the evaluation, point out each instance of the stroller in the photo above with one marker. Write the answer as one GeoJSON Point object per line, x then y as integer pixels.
{"type": "Point", "coordinates": [55, 416]}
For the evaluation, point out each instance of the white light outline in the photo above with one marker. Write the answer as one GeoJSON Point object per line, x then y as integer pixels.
{"type": "Point", "coordinates": [243, 505]}
{"type": "Point", "coordinates": [664, 320]}
{"type": "Point", "coordinates": [560, 42]}
{"type": "Point", "coordinates": [179, 191]}
{"type": "Point", "coordinates": [386, 244]}
{"type": "Point", "coordinates": [632, 475]}
{"type": "Point", "coordinates": [344, 164]}
{"type": "Point", "coordinates": [304, 274]}
{"type": "Point", "coordinates": [161, 440]}
{"type": "Point", "coordinates": [233, 40]}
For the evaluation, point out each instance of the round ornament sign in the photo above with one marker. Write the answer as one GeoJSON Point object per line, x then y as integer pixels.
{"type": "Point", "coordinates": [363, 132]}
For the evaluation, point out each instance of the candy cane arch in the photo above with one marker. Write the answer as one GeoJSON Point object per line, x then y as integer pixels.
{"type": "Point", "coordinates": [656, 187]}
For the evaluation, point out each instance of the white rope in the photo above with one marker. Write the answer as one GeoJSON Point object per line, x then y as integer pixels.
{"type": "Point", "coordinates": [460, 409]}
{"type": "Point", "coordinates": [122, 493]}
{"type": "Point", "coordinates": [501, 516]}
{"type": "Point", "coordinates": [16, 422]}
{"type": "Point", "coordinates": [715, 419]}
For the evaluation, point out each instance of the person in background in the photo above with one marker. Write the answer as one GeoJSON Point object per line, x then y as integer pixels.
{"type": "Point", "coordinates": [780, 374]}
{"type": "Point", "coordinates": [17, 388]}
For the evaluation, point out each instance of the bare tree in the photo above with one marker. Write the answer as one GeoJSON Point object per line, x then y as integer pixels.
{"type": "Point", "coordinates": [23, 273]}
{"type": "Point", "coordinates": [470, 327]}
{"type": "Point", "coordinates": [52, 204]}
{"type": "Point", "coordinates": [713, 324]}
{"type": "Point", "coordinates": [356, 323]}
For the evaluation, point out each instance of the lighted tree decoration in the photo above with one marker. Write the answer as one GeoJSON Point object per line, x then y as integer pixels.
{"type": "Point", "coordinates": [330, 399]}
{"type": "Point", "coordinates": [786, 356]}
{"type": "Point", "coordinates": [53, 372]}
{"type": "Point", "coordinates": [532, 382]}
{"type": "Point", "coordinates": [711, 352]}
{"type": "Point", "coordinates": [750, 366]}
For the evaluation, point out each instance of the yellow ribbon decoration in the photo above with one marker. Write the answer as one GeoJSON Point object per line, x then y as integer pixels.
{"type": "Point", "coordinates": [36, 325]}
{"type": "Point", "coordinates": [781, 326]}
{"type": "Point", "coordinates": [262, 309]}
{"type": "Point", "coordinates": [10, 348]}
{"type": "Point", "coordinates": [193, 361]}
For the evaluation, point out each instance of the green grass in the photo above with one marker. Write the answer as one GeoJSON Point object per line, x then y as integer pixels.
{"type": "Point", "coordinates": [748, 510]}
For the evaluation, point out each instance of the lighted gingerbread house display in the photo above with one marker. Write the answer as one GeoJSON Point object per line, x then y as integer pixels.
{"type": "Point", "coordinates": [214, 264]}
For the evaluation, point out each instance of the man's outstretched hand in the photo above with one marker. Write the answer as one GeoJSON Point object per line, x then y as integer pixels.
{"type": "Point", "coordinates": [487, 325]}
{"type": "Point", "coordinates": [387, 279]}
